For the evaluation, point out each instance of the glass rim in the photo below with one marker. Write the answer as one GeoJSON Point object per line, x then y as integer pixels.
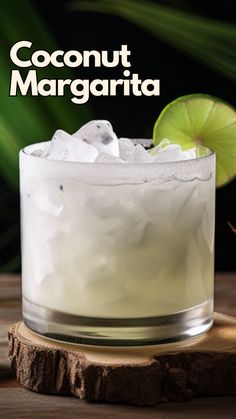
{"type": "Point", "coordinates": [116, 164]}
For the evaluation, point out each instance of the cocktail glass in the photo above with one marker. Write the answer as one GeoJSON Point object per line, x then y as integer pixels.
{"type": "Point", "coordinates": [117, 253]}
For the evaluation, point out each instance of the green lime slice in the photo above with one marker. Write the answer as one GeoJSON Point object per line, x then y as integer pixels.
{"type": "Point", "coordinates": [201, 119]}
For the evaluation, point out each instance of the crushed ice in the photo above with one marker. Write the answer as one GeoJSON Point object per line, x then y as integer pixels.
{"type": "Point", "coordinates": [97, 142]}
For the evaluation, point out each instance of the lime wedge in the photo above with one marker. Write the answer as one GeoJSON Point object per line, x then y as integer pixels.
{"type": "Point", "coordinates": [205, 120]}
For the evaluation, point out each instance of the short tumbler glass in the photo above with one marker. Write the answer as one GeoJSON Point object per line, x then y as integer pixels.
{"type": "Point", "coordinates": [117, 253]}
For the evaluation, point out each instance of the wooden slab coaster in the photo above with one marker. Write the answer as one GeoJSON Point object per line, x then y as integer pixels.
{"type": "Point", "coordinates": [205, 366]}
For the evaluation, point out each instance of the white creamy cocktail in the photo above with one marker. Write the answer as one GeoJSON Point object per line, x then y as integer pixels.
{"type": "Point", "coordinates": [118, 240]}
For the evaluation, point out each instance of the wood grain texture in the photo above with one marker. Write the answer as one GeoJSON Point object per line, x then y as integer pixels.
{"type": "Point", "coordinates": [147, 375]}
{"type": "Point", "coordinates": [17, 402]}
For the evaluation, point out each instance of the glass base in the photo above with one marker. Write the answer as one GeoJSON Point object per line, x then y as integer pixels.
{"type": "Point", "coordinates": [118, 332]}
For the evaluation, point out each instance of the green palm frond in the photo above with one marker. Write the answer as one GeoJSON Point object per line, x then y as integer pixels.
{"type": "Point", "coordinates": [11, 265]}
{"type": "Point", "coordinates": [25, 120]}
{"type": "Point", "coordinates": [209, 41]}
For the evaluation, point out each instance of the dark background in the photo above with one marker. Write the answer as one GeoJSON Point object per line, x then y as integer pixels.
{"type": "Point", "coordinates": [151, 58]}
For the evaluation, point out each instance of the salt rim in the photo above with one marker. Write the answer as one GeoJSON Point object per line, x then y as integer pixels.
{"type": "Point", "coordinates": [115, 174]}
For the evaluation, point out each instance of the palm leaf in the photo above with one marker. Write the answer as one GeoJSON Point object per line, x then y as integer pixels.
{"type": "Point", "coordinates": [209, 41]}
{"type": "Point", "coordinates": [25, 120]}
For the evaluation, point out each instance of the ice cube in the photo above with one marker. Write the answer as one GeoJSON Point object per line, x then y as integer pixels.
{"type": "Point", "coordinates": [126, 148]}
{"type": "Point", "coordinates": [155, 150]}
{"type": "Point", "coordinates": [155, 200]}
{"type": "Point", "coordinates": [48, 204]}
{"type": "Point", "coordinates": [172, 152]}
{"type": "Point", "coordinates": [68, 148]}
{"type": "Point", "coordinates": [99, 134]}
{"type": "Point", "coordinates": [189, 154]}
{"type": "Point", "coordinates": [140, 155]}
{"type": "Point", "coordinates": [37, 153]}
{"type": "Point", "coordinates": [108, 158]}
{"type": "Point", "coordinates": [189, 208]}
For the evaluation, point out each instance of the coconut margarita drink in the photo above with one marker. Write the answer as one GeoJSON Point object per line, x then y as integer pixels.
{"type": "Point", "coordinates": [118, 240]}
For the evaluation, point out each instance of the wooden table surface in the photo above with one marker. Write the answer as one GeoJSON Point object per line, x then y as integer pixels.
{"type": "Point", "coordinates": [16, 402]}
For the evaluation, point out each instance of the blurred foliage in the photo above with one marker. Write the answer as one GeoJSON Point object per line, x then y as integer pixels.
{"type": "Point", "coordinates": [232, 227]}
{"type": "Point", "coordinates": [25, 120]}
{"type": "Point", "coordinates": [209, 41]}
{"type": "Point", "coordinates": [22, 119]}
